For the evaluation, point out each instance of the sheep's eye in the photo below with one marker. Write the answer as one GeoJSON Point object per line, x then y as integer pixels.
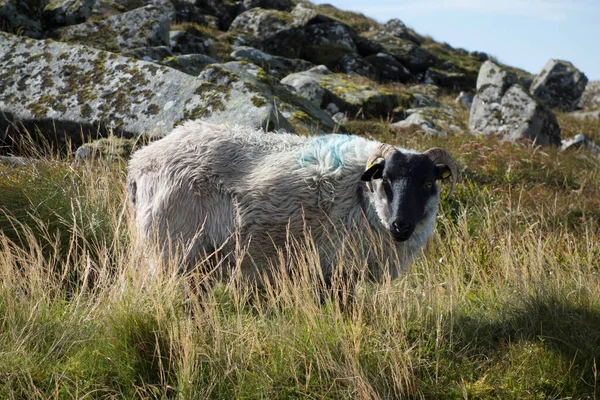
{"type": "Point", "coordinates": [384, 180]}
{"type": "Point", "coordinates": [428, 185]}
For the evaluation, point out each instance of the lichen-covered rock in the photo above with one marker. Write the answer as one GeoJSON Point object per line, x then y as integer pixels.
{"type": "Point", "coordinates": [68, 89]}
{"type": "Point", "coordinates": [191, 64]}
{"type": "Point", "coordinates": [559, 85]}
{"type": "Point", "coordinates": [278, 66]}
{"type": "Point", "coordinates": [492, 74]}
{"type": "Point", "coordinates": [143, 27]}
{"type": "Point", "coordinates": [327, 42]}
{"type": "Point", "coordinates": [324, 88]}
{"type": "Point", "coordinates": [431, 121]}
{"type": "Point", "coordinates": [395, 27]}
{"type": "Point", "coordinates": [411, 55]}
{"type": "Point", "coordinates": [185, 43]}
{"type": "Point", "coordinates": [387, 68]}
{"type": "Point", "coordinates": [590, 99]}
{"type": "Point", "coordinates": [275, 32]}
{"type": "Point", "coordinates": [59, 13]}
{"type": "Point", "coordinates": [508, 110]}
{"type": "Point", "coordinates": [22, 16]}
{"type": "Point", "coordinates": [240, 92]}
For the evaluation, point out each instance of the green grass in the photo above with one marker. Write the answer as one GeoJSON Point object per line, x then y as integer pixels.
{"type": "Point", "coordinates": [504, 304]}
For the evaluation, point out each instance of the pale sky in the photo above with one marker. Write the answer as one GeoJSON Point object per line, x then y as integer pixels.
{"type": "Point", "coordinates": [522, 33]}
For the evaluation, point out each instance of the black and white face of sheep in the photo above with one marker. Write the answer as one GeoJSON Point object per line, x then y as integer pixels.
{"type": "Point", "coordinates": [404, 191]}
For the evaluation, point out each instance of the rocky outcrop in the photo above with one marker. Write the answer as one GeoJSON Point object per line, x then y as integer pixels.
{"type": "Point", "coordinates": [59, 13]}
{"type": "Point", "coordinates": [18, 16]}
{"type": "Point", "coordinates": [69, 89]}
{"type": "Point", "coordinates": [590, 99]}
{"type": "Point", "coordinates": [559, 85]}
{"type": "Point", "coordinates": [142, 27]}
{"type": "Point", "coordinates": [275, 65]}
{"type": "Point", "coordinates": [506, 109]}
{"type": "Point", "coordinates": [339, 93]}
{"type": "Point", "coordinates": [430, 121]}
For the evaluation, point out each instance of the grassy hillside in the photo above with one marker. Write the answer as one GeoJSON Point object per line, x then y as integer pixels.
{"type": "Point", "coordinates": [506, 304]}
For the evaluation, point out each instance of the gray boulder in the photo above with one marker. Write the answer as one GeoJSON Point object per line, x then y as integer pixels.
{"type": "Point", "coordinates": [59, 13]}
{"type": "Point", "coordinates": [275, 65]}
{"type": "Point", "coordinates": [327, 42]}
{"type": "Point", "coordinates": [65, 90]}
{"type": "Point", "coordinates": [275, 32]}
{"type": "Point", "coordinates": [559, 85]}
{"type": "Point", "coordinates": [241, 92]}
{"type": "Point", "coordinates": [431, 121]}
{"type": "Point", "coordinates": [143, 27]}
{"type": "Point", "coordinates": [500, 108]}
{"type": "Point", "coordinates": [395, 27]}
{"type": "Point", "coordinates": [590, 99]}
{"type": "Point", "coordinates": [347, 96]}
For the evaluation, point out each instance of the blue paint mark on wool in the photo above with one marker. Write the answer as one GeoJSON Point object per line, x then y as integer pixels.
{"type": "Point", "coordinates": [326, 150]}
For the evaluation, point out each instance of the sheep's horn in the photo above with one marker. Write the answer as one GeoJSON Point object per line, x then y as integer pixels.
{"type": "Point", "coordinates": [441, 156]}
{"type": "Point", "coordinates": [384, 150]}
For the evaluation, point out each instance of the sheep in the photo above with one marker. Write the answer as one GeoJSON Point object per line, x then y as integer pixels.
{"type": "Point", "coordinates": [202, 183]}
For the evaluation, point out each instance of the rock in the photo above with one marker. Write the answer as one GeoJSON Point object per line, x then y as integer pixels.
{"type": "Point", "coordinates": [412, 56]}
{"type": "Point", "coordinates": [432, 121]}
{"type": "Point", "coordinates": [58, 13]}
{"type": "Point", "coordinates": [353, 64]}
{"type": "Point", "coordinates": [387, 68]}
{"type": "Point", "coordinates": [326, 43]}
{"type": "Point", "coordinates": [110, 147]}
{"type": "Point", "coordinates": [281, 5]}
{"type": "Point", "coordinates": [367, 47]}
{"type": "Point", "coordinates": [492, 74]}
{"type": "Point", "coordinates": [586, 114]}
{"type": "Point", "coordinates": [464, 99]}
{"type": "Point", "coordinates": [243, 93]}
{"type": "Point", "coordinates": [559, 85]}
{"type": "Point", "coordinates": [590, 99]}
{"type": "Point", "coordinates": [23, 17]}
{"type": "Point", "coordinates": [18, 161]}
{"type": "Point", "coordinates": [143, 27]}
{"type": "Point", "coordinates": [272, 31]}
{"type": "Point", "coordinates": [446, 79]}
{"type": "Point", "coordinates": [509, 111]}
{"type": "Point", "coordinates": [278, 66]}
{"type": "Point", "coordinates": [580, 141]}
{"type": "Point", "coordinates": [154, 54]}
{"type": "Point", "coordinates": [323, 88]}
{"type": "Point", "coordinates": [184, 43]}
{"type": "Point", "coordinates": [76, 91]}
{"type": "Point", "coordinates": [395, 27]}
{"type": "Point", "coordinates": [191, 64]}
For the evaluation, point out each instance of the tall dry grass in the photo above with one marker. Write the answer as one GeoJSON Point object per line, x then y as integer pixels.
{"type": "Point", "coordinates": [505, 304]}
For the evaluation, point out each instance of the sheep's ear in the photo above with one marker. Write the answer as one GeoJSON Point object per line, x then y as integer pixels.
{"type": "Point", "coordinates": [442, 172]}
{"type": "Point", "coordinates": [375, 171]}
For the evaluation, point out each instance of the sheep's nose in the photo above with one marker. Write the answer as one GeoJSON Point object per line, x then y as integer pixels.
{"type": "Point", "coordinates": [401, 230]}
